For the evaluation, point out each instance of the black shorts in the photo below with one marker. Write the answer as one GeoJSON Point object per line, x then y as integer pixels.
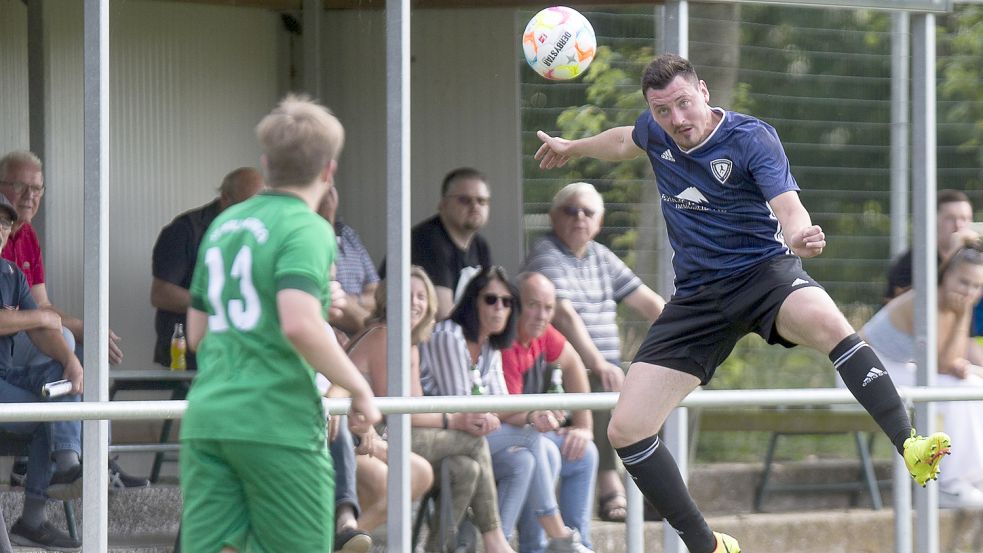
{"type": "Point", "coordinates": [696, 333]}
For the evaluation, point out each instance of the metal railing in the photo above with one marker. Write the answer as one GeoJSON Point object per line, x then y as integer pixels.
{"type": "Point", "coordinates": [174, 409]}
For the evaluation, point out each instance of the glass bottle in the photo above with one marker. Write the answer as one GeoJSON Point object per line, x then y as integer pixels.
{"type": "Point", "coordinates": [179, 349]}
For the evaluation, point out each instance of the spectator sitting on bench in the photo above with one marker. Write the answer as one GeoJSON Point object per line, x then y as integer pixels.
{"type": "Point", "coordinates": [464, 356]}
{"type": "Point", "coordinates": [22, 183]}
{"type": "Point", "coordinates": [891, 334]}
{"type": "Point", "coordinates": [526, 366]}
{"type": "Point", "coordinates": [176, 252]}
{"type": "Point", "coordinates": [53, 467]}
{"type": "Point", "coordinates": [454, 440]}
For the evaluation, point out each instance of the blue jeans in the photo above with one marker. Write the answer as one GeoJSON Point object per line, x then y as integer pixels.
{"type": "Point", "coordinates": [26, 354]}
{"type": "Point", "coordinates": [23, 385]}
{"type": "Point", "coordinates": [343, 458]}
{"type": "Point", "coordinates": [520, 460]}
{"type": "Point", "coordinates": [576, 496]}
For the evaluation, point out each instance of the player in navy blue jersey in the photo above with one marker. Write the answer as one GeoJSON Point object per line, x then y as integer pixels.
{"type": "Point", "coordinates": [738, 232]}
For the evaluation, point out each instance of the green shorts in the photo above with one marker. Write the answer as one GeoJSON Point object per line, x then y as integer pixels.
{"type": "Point", "coordinates": [256, 498]}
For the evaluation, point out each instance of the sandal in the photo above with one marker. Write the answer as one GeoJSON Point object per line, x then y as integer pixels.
{"type": "Point", "coordinates": [612, 507]}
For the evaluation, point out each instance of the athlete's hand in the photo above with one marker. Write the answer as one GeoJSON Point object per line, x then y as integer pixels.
{"type": "Point", "coordinates": [575, 441]}
{"type": "Point", "coordinates": [555, 152]}
{"type": "Point", "coordinates": [611, 376]}
{"type": "Point", "coordinates": [808, 242]}
{"type": "Point", "coordinates": [362, 414]}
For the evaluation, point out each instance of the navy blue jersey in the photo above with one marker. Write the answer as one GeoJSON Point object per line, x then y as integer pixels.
{"type": "Point", "coordinates": [715, 196]}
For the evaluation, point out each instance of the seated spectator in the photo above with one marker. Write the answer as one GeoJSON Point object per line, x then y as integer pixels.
{"type": "Point", "coordinates": [53, 467]}
{"type": "Point", "coordinates": [891, 334]}
{"type": "Point", "coordinates": [448, 245]}
{"type": "Point", "coordinates": [354, 270]}
{"type": "Point", "coordinates": [526, 366]}
{"type": "Point", "coordinates": [590, 282]}
{"type": "Point", "coordinates": [464, 356]}
{"type": "Point", "coordinates": [455, 439]}
{"type": "Point", "coordinates": [176, 252]}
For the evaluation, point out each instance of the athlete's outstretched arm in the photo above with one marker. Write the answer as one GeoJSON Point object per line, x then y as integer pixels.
{"type": "Point", "coordinates": [304, 327]}
{"type": "Point", "coordinates": [804, 238]}
{"type": "Point", "coordinates": [611, 145]}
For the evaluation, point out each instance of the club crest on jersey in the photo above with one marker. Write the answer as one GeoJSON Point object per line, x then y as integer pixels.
{"type": "Point", "coordinates": [721, 169]}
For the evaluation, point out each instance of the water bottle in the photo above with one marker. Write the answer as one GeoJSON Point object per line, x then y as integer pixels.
{"type": "Point", "coordinates": [179, 349]}
{"type": "Point", "coordinates": [476, 388]}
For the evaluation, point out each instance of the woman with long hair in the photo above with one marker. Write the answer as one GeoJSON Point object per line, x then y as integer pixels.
{"type": "Point", "coordinates": [464, 355]}
{"type": "Point", "coordinates": [890, 332]}
{"type": "Point", "coordinates": [454, 440]}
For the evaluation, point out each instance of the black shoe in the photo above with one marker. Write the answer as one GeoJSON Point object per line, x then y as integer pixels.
{"type": "Point", "coordinates": [46, 536]}
{"type": "Point", "coordinates": [66, 484]}
{"type": "Point", "coordinates": [120, 480]}
{"type": "Point", "coordinates": [18, 472]}
{"type": "Point", "coordinates": [352, 540]}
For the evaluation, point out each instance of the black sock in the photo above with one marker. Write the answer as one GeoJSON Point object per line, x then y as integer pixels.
{"type": "Point", "coordinates": [865, 377]}
{"type": "Point", "coordinates": [64, 459]}
{"type": "Point", "coordinates": [656, 474]}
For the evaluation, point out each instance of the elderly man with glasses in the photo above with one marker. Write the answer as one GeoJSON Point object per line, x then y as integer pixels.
{"type": "Point", "coordinates": [590, 281]}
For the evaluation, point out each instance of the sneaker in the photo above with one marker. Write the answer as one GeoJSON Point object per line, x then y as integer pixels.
{"type": "Point", "coordinates": [922, 455]}
{"type": "Point", "coordinates": [18, 472]}
{"type": "Point", "coordinates": [960, 495]}
{"type": "Point", "coordinates": [726, 544]}
{"type": "Point", "coordinates": [66, 484]}
{"type": "Point", "coordinates": [352, 540]}
{"type": "Point", "coordinates": [569, 544]}
{"type": "Point", "coordinates": [46, 537]}
{"type": "Point", "coordinates": [120, 480]}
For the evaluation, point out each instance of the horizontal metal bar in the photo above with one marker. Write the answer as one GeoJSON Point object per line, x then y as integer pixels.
{"type": "Point", "coordinates": [174, 409]}
{"type": "Point", "coordinates": [143, 448]}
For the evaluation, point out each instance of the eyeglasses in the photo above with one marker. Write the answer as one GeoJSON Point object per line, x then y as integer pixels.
{"type": "Point", "coordinates": [492, 299]}
{"type": "Point", "coordinates": [575, 211]}
{"type": "Point", "coordinates": [468, 201]}
{"type": "Point", "coordinates": [20, 187]}
{"type": "Point", "coordinates": [6, 224]}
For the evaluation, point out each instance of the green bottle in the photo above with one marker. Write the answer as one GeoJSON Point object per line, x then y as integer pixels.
{"type": "Point", "coordinates": [476, 388]}
{"type": "Point", "coordinates": [556, 381]}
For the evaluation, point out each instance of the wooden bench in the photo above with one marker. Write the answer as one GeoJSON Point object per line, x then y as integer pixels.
{"type": "Point", "coordinates": [782, 422]}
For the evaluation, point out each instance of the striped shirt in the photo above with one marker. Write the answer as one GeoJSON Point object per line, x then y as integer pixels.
{"type": "Point", "coordinates": [354, 268]}
{"type": "Point", "coordinates": [445, 364]}
{"type": "Point", "coordinates": [594, 284]}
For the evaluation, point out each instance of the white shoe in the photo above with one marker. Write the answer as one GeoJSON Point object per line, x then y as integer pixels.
{"type": "Point", "coordinates": [960, 494]}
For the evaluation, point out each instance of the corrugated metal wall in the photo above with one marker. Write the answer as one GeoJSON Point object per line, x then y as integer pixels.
{"type": "Point", "coordinates": [464, 112]}
{"type": "Point", "coordinates": [187, 85]}
{"type": "Point", "coordinates": [189, 82]}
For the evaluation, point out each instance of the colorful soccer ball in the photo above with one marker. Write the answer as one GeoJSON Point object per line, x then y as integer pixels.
{"type": "Point", "coordinates": [559, 43]}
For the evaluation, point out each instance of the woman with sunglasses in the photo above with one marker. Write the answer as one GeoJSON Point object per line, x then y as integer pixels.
{"type": "Point", "coordinates": [454, 440]}
{"type": "Point", "coordinates": [464, 353]}
{"type": "Point", "coordinates": [891, 334]}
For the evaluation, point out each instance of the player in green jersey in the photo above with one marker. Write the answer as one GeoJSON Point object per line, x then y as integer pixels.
{"type": "Point", "coordinates": [255, 471]}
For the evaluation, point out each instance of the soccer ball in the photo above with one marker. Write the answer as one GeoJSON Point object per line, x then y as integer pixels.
{"type": "Point", "coordinates": [559, 43]}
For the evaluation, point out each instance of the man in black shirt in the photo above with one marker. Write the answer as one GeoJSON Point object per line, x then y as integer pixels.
{"type": "Point", "coordinates": [448, 245]}
{"type": "Point", "coordinates": [176, 252]}
{"type": "Point", "coordinates": [954, 213]}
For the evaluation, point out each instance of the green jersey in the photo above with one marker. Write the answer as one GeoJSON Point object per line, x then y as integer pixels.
{"type": "Point", "coordinates": [252, 384]}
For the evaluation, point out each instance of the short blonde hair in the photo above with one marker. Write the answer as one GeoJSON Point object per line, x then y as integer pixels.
{"type": "Point", "coordinates": [299, 139]}
{"type": "Point", "coordinates": [574, 189]}
{"type": "Point", "coordinates": [421, 332]}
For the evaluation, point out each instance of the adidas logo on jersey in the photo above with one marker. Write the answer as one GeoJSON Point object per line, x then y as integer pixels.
{"type": "Point", "coordinates": [667, 155]}
{"type": "Point", "coordinates": [873, 374]}
{"type": "Point", "coordinates": [799, 282]}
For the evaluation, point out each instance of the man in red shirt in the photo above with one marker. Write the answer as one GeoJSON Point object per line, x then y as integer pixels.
{"type": "Point", "coordinates": [527, 367]}
{"type": "Point", "coordinates": [22, 183]}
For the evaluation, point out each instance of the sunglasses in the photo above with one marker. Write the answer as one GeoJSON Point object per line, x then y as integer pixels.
{"type": "Point", "coordinates": [574, 211]}
{"type": "Point", "coordinates": [492, 299]}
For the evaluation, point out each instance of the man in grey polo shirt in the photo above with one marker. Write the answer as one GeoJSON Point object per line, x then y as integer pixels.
{"type": "Point", "coordinates": [590, 282]}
